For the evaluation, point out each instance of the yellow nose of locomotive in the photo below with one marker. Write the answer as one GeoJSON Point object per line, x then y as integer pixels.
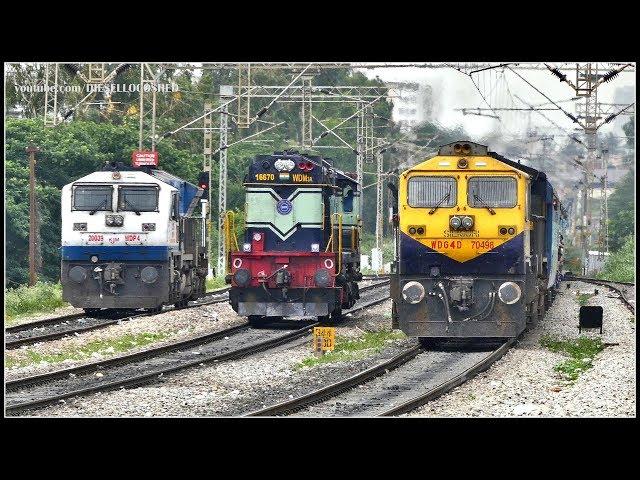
{"type": "Point", "coordinates": [462, 203]}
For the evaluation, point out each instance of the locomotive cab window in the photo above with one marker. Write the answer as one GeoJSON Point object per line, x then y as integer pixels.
{"type": "Point", "coordinates": [174, 206]}
{"type": "Point", "coordinates": [138, 199]}
{"type": "Point", "coordinates": [493, 192]}
{"type": "Point", "coordinates": [92, 198]}
{"type": "Point", "coordinates": [347, 202]}
{"type": "Point", "coordinates": [429, 192]}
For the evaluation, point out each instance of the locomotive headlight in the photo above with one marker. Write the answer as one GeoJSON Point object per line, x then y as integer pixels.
{"type": "Point", "coordinates": [413, 292]}
{"type": "Point", "coordinates": [242, 277]}
{"type": "Point", "coordinates": [94, 259]}
{"type": "Point", "coordinates": [322, 278]}
{"type": "Point", "coordinates": [315, 247]}
{"type": "Point", "coordinates": [118, 220]}
{"type": "Point", "coordinates": [78, 274]}
{"type": "Point", "coordinates": [509, 293]}
{"type": "Point", "coordinates": [467, 222]}
{"type": "Point", "coordinates": [257, 237]}
{"type": "Point", "coordinates": [246, 247]}
{"type": "Point", "coordinates": [149, 275]}
{"type": "Point", "coordinates": [455, 222]}
{"type": "Point", "coordinates": [109, 220]}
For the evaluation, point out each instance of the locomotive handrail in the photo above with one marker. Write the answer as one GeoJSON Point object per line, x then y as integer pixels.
{"type": "Point", "coordinates": [229, 234]}
{"type": "Point", "coordinates": [339, 216]}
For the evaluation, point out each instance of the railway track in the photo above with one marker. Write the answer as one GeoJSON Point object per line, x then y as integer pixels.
{"type": "Point", "coordinates": [395, 386]}
{"type": "Point", "coordinates": [58, 327]}
{"type": "Point", "coordinates": [150, 365]}
{"type": "Point", "coordinates": [621, 288]}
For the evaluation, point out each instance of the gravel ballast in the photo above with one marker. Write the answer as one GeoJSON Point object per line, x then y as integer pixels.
{"type": "Point", "coordinates": [238, 387]}
{"type": "Point", "coordinates": [524, 383]}
{"type": "Point", "coordinates": [177, 324]}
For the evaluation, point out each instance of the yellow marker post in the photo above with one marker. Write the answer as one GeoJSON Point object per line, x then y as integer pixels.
{"type": "Point", "coordinates": [324, 339]}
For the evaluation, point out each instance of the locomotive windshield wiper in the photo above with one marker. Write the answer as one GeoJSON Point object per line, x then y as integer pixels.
{"type": "Point", "coordinates": [104, 202]}
{"type": "Point", "coordinates": [446, 197]}
{"type": "Point", "coordinates": [132, 207]}
{"type": "Point", "coordinates": [477, 197]}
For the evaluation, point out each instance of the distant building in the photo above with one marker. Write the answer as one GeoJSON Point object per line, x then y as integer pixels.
{"type": "Point", "coordinates": [413, 103]}
{"type": "Point", "coordinates": [596, 262]}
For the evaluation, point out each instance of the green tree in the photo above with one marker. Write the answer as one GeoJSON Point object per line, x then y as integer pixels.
{"type": "Point", "coordinates": [622, 211]}
{"type": "Point", "coordinates": [620, 265]}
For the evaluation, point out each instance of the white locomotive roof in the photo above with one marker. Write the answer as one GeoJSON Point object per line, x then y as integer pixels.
{"type": "Point", "coordinates": [126, 176]}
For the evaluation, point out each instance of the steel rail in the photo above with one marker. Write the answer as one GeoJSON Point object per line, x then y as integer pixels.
{"type": "Point", "coordinates": [14, 343]}
{"type": "Point", "coordinates": [609, 284]}
{"type": "Point", "coordinates": [144, 378]}
{"type": "Point", "coordinates": [337, 388]}
{"type": "Point", "coordinates": [73, 316]}
{"type": "Point", "coordinates": [450, 384]}
{"type": "Point", "coordinates": [38, 379]}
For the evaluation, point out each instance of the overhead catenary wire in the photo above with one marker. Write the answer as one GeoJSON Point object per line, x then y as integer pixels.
{"type": "Point", "coordinates": [569, 115]}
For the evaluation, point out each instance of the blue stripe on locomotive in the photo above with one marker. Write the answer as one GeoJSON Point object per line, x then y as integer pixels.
{"type": "Point", "coordinates": [506, 259]}
{"type": "Point", "coordinates": [115, 253]}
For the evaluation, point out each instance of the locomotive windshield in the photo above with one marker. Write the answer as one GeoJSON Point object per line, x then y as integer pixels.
{"type": "Point", "coordinates": [92, 198]}
{"type": "Point", "coordinates": [432, 191]}
{"type": "Point", "coordinates": [496, 192]}
{"type": "Point", "coordinates": [138, 199]}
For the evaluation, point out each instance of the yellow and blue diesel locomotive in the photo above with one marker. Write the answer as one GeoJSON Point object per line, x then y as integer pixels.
{"type": "Point", "coordinates": [478, 245]}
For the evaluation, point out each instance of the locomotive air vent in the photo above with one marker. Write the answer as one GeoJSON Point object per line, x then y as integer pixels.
{"type": "Point", "coordinates": [463, 147]}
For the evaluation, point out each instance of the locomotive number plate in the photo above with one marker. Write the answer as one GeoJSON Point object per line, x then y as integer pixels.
{"type": "Point", "coordinates": [482, 245]}
{"type": "Point", "coordinates": [115, 239]}
{"type": "Point", "coordinates": [324, 338]}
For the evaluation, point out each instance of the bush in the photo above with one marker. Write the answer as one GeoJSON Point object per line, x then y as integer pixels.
{"type": "Point", "coordinates": [620, 265]}
{"type": "Point", "coordinates": [43, 297]}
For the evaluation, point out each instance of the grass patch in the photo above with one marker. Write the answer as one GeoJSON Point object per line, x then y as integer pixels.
{"type": "Point", "coordinates": [581, 353]}
{"type": "Point", "coordinates": [215, 283]}
{"type": "Point", "coordinates": [354, 349]}
{"type": "Point", "coordinates": [25, 300]}
{"type": "Point", "coordinates": [583, 298]}
{"type": "Point", "coordinates": [116, 345]}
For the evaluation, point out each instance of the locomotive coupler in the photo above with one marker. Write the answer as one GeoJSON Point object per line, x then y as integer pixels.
{"type": "Point", "coordinates": [461, 294]}
{"type": "Point", "coordinates": [283, 278]}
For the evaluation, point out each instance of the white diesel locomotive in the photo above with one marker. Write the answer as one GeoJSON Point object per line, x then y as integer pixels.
{"type": "Point", "coordinates": [129, 240]}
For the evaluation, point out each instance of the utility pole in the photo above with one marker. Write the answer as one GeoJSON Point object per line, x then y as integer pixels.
{"type": "Point", "coordinates": [33, 224]}
{"type": "Point", "coordinates": [226, 93]}
{"type": "Point", "coordinates": [603, 234]}
{"type": "Point", "coordinates": [50, 94]}
{"type": "Point", "coordinates": [306, 112]}
{"type": "Point", "coordinates": [148, 84]}
{"type": "Point", "coordinates": [206, 167]}
{"type": "Point", "coordinates": [379, 201]}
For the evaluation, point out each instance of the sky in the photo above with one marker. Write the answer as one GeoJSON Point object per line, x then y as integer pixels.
{"type": "Point", "coordinates": [452, 89]}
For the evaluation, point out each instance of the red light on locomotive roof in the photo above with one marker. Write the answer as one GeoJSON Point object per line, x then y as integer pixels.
{"type": "Point", "coordinates": [302, 165]}
{"type": "Point", "coordinates": [309, 166]}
